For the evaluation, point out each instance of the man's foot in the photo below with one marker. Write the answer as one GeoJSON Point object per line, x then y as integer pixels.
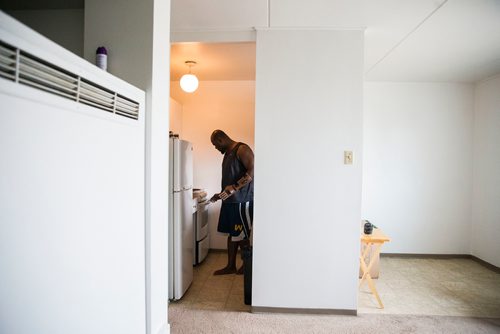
{"type": "Point", "coordinates": [225, 271]}
{"type": "Point", "coordinates": [240, 271]}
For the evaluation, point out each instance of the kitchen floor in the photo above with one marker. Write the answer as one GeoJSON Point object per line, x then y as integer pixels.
{"type": "Point", "coordinates": [453, 287]}
{"type": "Point", "coordinates": [209, 292]}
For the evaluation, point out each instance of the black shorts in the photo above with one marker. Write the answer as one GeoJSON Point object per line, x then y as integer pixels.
{"type": "Point", "coordinates": [236, 219]}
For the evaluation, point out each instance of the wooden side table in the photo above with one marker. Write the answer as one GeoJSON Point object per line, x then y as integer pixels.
{"type": "Point", "coordinates": [377, 239]}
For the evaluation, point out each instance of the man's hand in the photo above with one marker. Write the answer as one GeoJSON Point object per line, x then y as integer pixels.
{"type": "Point", "coordinates": [215, 198]}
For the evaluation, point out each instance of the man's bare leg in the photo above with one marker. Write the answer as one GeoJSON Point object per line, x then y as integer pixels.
{"type": "Point", "coordinates": [232, 249]}
{"type": "Point", "coordinates": [242, 244]}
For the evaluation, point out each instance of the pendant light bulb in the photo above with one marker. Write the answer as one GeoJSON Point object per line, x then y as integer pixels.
{"type": "Point", "coordinates": [189, 82]}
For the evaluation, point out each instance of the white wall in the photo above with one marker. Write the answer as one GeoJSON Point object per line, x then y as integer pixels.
{"type": "Point", "coordinates": [137, 33]}
{"type": "Point", "coordinates": [63, 26]}
{"type": "Point", "coordinates": [307, 202]}
{"type": "Point", "coordinates": [71, 205]}
{"type": "Point", "coordinates": [175, 117]}
{"type": "Point", "coordinates": [417, 172]}
{"type": "Point", "coordinates": [225, 105]}
{"type": "Point", "coordinates": [486, 194]}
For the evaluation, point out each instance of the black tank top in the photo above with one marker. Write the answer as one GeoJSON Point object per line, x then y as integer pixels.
{"type": "Point", "coordinates": [233, 170]}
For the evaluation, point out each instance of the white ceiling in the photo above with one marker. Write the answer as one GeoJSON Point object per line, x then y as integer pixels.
{"type": "Point", "coordinates": [405, 40]}
{"type": "Point", "coordinates": [215, 61]}
{"type": "Point", "coordinates": [207, 14]}
{"type": "Point", "coordinates": [388, 22]}
{"type": "Point", "coordinates": [459, 42]}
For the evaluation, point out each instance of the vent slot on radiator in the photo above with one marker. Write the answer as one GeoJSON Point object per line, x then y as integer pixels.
{"type": "Point", "coordinates": [39, 74]}
{"type": "Point", "coordinates": [8, 62]}
{"type": "Point", "coordinates": [24, 68]}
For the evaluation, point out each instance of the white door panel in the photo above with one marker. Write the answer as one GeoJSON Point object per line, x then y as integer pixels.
{"type": "Point", "coordinates": [185, 272]}
{"type": "Point", "coordinates": [186, 161]}
{"type": "Point", "coordinates": [175, 147]}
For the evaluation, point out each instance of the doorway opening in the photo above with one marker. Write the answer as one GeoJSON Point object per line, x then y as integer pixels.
{"type": "Point", "coordinates": [224, 100]}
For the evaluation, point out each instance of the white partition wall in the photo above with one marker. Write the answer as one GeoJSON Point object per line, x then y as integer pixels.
{"type": "Point", "coordinates": [485, 227]}
{"type": "Point", "coordinates": [137, 35]}
{"type": "Point", "coordinates": [307, 201]}
{"type": "Point", "coordinates": [72, 244]}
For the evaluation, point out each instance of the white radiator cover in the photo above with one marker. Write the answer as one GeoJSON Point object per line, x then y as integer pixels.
{"type": "Point", "coordinates": [71, 203]}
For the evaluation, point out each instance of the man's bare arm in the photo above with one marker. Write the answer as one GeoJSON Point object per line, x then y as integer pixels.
{"type": "Point", "coordinates": [246, 157]}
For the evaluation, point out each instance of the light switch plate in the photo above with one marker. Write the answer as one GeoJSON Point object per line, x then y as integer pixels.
{"type": "Point", "coordinates": [347, 157]}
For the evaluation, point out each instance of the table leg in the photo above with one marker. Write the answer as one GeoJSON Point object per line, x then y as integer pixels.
{"type": "Point", "coordinates": [365, 250]}
{"type": "Point", "coordinates": [374, 290]}
{"type": "Point", "coordinates": [366, 271]}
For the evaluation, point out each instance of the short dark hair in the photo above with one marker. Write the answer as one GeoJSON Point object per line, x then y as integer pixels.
{"type": "Point", "coordinates": [219, 134]}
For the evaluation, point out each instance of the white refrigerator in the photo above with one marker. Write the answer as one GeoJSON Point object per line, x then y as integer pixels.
{"type": "Point", "coordinates": [180, 217]}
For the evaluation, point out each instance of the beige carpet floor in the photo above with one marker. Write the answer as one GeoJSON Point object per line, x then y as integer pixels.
{"type": "Point", "coordinates": [421, 296]}
{"type": "Point", "coordinates": [187, 320]}
{"type": "Point", "coordinates": [423, 286]}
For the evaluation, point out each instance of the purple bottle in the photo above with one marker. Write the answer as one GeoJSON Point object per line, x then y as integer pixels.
{"type": "Point", "coordinates": [101, 58]}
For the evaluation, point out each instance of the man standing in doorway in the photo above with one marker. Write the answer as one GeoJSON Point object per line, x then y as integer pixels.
{"type": "Point", "coordinates": [236, 212]}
